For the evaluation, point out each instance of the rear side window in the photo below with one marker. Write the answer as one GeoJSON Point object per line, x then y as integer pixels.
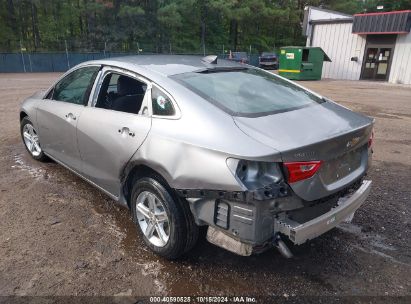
{"type": "Point", "coordinates": [122, 93]}
{"type": "Point", "coordinates": [248, 92]}
{"type": "Point", "coordinates": [162, 104]}
{"type": "Point", "coordinates": [76, 86]}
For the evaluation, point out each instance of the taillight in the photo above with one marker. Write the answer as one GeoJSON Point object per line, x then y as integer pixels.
{"type": "Point", "coordinates": [371, 139]}
{"type": "Point", "coordinates": [301, 170]}
{"type": "Point", "coordinates": [255, 175]}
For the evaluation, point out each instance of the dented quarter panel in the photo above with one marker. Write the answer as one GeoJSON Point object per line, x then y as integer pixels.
{"type": "Point", "coordinates": [191, 152]}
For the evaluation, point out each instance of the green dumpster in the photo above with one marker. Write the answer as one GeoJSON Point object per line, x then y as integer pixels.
{"type": "Point", "coordinates": [302, 63]}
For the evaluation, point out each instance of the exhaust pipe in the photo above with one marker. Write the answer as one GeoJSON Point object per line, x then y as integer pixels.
{"type": "Point", "coordinates": [282, 247]}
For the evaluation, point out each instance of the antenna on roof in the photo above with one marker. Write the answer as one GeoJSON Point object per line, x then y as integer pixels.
{"type": "Point", "coordinates": [210, 59]}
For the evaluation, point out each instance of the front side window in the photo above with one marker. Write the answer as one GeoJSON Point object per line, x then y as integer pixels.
{"type": "Point", "coordinates": [76, 86]}
{"type": "Point", "coordinates": [162, 104]}
{"type": "Point", "coordinates": [247, 92]}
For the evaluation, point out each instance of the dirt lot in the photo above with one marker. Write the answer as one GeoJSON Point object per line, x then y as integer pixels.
{"type": "Point", "coordinates": [60, 236]}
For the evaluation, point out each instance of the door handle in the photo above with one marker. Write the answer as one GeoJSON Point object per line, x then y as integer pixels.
{"type": "Point", "coordinates": [70, 116]}
{"type": "Point", "coordinates": [126, 131]}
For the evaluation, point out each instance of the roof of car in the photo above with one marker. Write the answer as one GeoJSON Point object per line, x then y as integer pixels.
{"type": "Point", "coordinates": [167, 65]}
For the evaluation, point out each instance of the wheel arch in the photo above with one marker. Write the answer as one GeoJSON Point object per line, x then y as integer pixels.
{"type": "Point", "coordinates": [142, 170]}
{"type": "Point", "coordinates": [23, 114]}
{"type": "Point", "coordinates": [136, 172]}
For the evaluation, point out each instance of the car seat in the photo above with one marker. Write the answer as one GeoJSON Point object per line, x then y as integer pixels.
{"type": "Point", "coordinates": [130, 94]}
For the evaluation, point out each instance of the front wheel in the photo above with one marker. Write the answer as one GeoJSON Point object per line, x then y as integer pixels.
{"type": "Point", "coordinates": [164, 222]}
{"type": "Point", "coordinates": [31, 140]}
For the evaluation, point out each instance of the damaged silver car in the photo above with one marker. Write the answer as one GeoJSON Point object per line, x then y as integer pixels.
{"type": "Point", "coordinates": [185, 142]}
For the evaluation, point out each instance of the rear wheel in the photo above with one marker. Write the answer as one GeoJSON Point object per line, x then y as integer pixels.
{"type": "Point", "coordinates": [31, 140]}
{"type": "Point", "coordinates": [163, 220]}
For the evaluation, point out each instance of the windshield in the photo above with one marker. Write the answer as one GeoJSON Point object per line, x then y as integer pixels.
{"type": "Point", "coordinates": [247, 92]}
{"type": "Point", "coordinates": [268, 54]}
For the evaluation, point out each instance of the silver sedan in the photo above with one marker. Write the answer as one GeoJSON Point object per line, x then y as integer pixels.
{"type": "Point", "coordinates": [185, 142]}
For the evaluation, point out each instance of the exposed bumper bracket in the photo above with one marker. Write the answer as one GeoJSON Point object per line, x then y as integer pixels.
{"type": "Point", "coordinates": [272, 191]}
{"type": "Point", "coordinates": [301, 232]}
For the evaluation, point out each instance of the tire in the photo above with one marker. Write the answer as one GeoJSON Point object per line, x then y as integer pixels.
{"type": "Point", "coordinates": [29, 135]}
{"type": "Point", "coordinates": [169, 238]}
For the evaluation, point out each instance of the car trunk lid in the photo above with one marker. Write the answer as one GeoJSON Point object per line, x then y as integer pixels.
{"type": "Point", "coordinates": [326, 132]}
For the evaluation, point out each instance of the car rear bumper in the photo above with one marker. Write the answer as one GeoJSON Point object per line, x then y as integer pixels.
{"type": "Point", "coordinates": [253, 225]}
{"type": "Point", "coordinates": [299, 233]}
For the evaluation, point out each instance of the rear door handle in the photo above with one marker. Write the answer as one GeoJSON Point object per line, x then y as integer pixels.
{"type": "Point", "coordinates": [126, 131]}
{"type": "Point", "coordinates": [70, 116]}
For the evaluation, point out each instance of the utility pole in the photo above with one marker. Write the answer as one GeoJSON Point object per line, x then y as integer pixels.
{"type": "Point", "coordinates": [249, 56]}
{"type": "Point", "coordinates": [67, 56]}
{"type": "Point", "coordinates": [31, 67]}
{"type": "Point", "coordinates": [22, 57]}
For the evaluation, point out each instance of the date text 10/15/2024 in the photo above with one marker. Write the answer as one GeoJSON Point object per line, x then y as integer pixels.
{"type": "Point", "coordinates": [203, 299]}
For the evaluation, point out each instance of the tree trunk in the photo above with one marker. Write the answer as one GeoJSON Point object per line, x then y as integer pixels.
{"type": "Point", "coordinates": [203, 14]}
{"type": "Point", "coordinates": [34, 26]}
{"type": "Point", "coordinates": [234, 33]}
{"type": "Point", "coordinates": [80, 19]}
{"type": "Point", "coordinates": [12, 21]}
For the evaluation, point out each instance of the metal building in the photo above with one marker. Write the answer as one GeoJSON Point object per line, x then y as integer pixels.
{"type": "Point", "coordinates": [372, 46]}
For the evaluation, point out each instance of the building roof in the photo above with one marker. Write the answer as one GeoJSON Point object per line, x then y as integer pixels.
{"type": "Point", "coordinates": [311, 14]}
{"type": "Point", "coordinates": [395, 22]}
{"type": "Point", "coordinates": [328, 11]}
{"type": "Point", "coordinates": [337, 20]}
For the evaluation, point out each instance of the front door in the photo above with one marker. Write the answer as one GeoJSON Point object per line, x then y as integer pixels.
{"type": "Point", "coordinates": [376, 63]}
{"type": "Point", "coordinates": [383, 61]}
{"type": "Point", "coordinates": [111, 130]}
{"type": "Point", "coordinates": [59, 114]}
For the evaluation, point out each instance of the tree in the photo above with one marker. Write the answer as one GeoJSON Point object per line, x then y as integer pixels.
{"type": "Point", "coordinates": [177, 26]}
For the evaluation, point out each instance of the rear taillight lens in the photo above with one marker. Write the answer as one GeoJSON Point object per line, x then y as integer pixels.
{"type": "Point", "coordinates": [255, 174]}
{"type": "Point", "coordinates": [301, 170]}
{"type": "Point", "coordinates": [371, 139]}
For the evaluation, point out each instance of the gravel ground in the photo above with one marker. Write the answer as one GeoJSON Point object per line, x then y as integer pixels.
{"type": "Point", "coordinates": [60, 236]}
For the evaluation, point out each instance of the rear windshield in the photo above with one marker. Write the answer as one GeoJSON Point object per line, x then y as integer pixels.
{"type": "Point", "coordinates": [248, 92]}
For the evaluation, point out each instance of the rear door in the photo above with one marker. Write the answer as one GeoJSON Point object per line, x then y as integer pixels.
{"type": "Point", "coordinates": [59, 113]}
{"type": "Point", "coordinates": [108, 138]}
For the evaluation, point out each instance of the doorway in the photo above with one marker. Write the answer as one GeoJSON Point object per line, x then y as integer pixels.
{"type": "Point", "coordinates": [376, 63]}
{"type": "Point", "coordinates": [377, 57]}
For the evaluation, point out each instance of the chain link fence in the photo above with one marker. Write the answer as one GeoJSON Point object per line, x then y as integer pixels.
{"type": "Point", "coordinates": [59, 56]}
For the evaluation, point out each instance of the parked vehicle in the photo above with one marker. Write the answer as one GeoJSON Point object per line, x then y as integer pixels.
{"type": "Point", "coordinates": [186, 142]}
{"type": "Point", "coordinates": [268, 61]}
{"type": "Point", "coordinates": [241, 57]}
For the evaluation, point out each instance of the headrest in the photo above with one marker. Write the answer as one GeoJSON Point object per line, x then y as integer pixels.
{"type": "Point", "coordinates": [129, 86]}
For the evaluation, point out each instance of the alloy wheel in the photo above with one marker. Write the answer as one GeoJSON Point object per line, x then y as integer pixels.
{"type": "Point", "coordinates": [152, 218]}
{"type": "Point", "coordinates": [31, 140]}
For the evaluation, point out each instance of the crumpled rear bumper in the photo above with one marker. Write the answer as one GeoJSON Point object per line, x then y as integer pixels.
{"type": "Point", "coordinates": [299, 233]}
